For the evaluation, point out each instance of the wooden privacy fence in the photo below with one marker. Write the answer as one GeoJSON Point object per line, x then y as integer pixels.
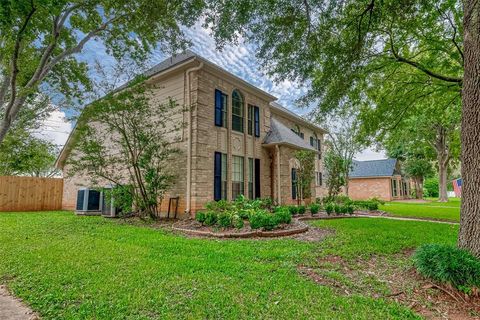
{"type": "Point", "coordinates": [30, 193]}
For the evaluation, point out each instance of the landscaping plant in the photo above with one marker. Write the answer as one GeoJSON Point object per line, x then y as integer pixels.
{"type": "Point", "coordinates": [449, 265]}
{"type": "Point", "coordinates": [302, 209]}
{"type": "Point", "coordinates": [329, 208]}
{"type": "Point", "coordinates": [314, 208]}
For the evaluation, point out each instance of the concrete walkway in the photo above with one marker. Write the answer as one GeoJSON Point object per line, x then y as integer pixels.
{"type": "Point", "coordinates": [12, 308]}
{"type": "Point", "coordinates": [409, 219]}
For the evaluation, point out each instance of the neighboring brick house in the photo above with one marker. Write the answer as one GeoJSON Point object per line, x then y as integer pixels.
{"type": "Point", "coordinates": [236, 140]}
{"type": "Point", "coordinates": [382, 179]}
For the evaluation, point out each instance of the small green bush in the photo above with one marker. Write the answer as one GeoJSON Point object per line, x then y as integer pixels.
{"type": "Point", "coordinates": [448, 264]}
{"type": "Point", "coordinates": [301, 209]}
{"type": "Point", "coordinates": [329, 207]}
{"type": "Point", "coordinates": [349, 209]}
{"type": "Point", "coordinates": [237, 222]}
{"type": "Point", "coordinates": [210, 218]}
{"type": "Point", "coordinates": [256, 220]}
{"type": "Point", "coordinates": [200, 217]}
{"type": "Point", "coordinates": [283, 216]}
{"type": "Point", "coordinates": [224, 220]}
{"type": "Point", "coordinates": [338, 209]}
{"type": "Point", "coordinates": [244, 213]}
{"type": "Point", "coordinates": [270, 222]}
{"type": "Point", "coordinates": [314, 208]}
{"type": "Point", "coordinates": [293, 210]}
{"type": "Point", "coordinates": [370, 205]}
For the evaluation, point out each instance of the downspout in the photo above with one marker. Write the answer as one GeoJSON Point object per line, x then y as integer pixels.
{"type": "Point", "coordinates": [189, 137]}
{"type": "Point", "coordinates": [278, 175]}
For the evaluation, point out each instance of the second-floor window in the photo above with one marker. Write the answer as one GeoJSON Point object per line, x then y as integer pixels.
{"type": "Point", "coordinates": [237, 111]}
{"type": "Point", "coordinates": [317, 144]}
{"type": "Point", "coordinates": [298, 132]}
{"type": "Point", "coordinates": [220, 109]}
{"type": "Point", "coordinates": [250, 120]}
{"type": "Point", "coordinates": [253, 120]}
{"type": "Point", "coordinates": [319, 179]}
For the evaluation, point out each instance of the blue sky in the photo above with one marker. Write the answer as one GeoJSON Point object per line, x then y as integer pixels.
{"type": "Point", "coordinates": [238, 59]}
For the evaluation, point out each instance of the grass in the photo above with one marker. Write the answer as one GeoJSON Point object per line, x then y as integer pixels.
{"type": "Point", "coordinates": [435, 210]}
{"type": "Point", "coordinates": [72, 267]}
{"type": "Point", "coordinates": [361, 238]}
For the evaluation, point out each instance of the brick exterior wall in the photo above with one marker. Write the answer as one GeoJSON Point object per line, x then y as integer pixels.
{"type": "Point", "coordinates": [379, 187]}
{"type": "Point", "coordinates": [208, 139]}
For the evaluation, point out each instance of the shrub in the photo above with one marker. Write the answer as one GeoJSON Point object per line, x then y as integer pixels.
{"type": "Point", "coordinates": [448, 264]}
{"type": "Point", "coordinates": [367, 205]}
{"type": "Point", "coordinates": [244, 213]}
{"type": "Point", "coordinates": [219, 206]}
{"type": "Point", "coordinates": [283, 216]}
{"type": "Point", "coordinates": [430, 187]}
{"type": "Point", "coordinates": [329, 207]}
{"type": "Point", "coordinates": [256, 220]}
{"type": "Point", "coordinates": [338, 209]}
{"type": "Point", "coordinates": [237, 222]}
{"type": "Point", "coordinates": [224, 220]}
{"type": "Point", "coordinates": [200, 217]}
{"type": "Point", "coordinates": [210, 218]}
{"type": "Point", "coordinates": [270, 221]}
{"type": "Point", "coordinates": [314, 208]}
{"type": "Point", "coordinates": [342, 199]}
{"type": "Point", "coordinates": [301, 209]}
{"type": "Point", "coordinates": [349, 209]}
{"type": "Point", "coordinates": [293, 210]}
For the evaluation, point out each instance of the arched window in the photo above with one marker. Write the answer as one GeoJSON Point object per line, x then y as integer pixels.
{"type": "Point", "coordinates": [237, 111]}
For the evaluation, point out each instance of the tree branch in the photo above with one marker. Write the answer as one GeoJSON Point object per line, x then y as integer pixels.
{"type": "Point", "coordinates": [420, 67]}
{"type": "Point", "coordinates": [14, 61]}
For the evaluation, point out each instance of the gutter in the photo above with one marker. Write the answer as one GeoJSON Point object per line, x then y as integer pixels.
{"type": "Point", "coordinates": [189, 137]}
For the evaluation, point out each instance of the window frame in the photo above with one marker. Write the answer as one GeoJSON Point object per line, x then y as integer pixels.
{"type": "Point", "coordinates": [238, 169]}
{"type": "Point", "coordinates": [238, 105]}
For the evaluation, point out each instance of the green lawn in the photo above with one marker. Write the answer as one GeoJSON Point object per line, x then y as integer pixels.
{"type": "Point", "coordinates": [69, 267]}
{"type": "Point", "coordinates": [436, 210]}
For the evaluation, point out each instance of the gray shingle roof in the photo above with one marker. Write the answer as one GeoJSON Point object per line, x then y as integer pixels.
{"type": "Point", "coordinates": [373, 168]}
{"type": "Point", "coordinates": [281, 134]}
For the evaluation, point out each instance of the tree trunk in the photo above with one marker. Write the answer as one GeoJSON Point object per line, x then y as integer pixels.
{"type": "Point", "coordinates": [469, 235]}
{"type": "Point", "coordinates": [442, 183]}
{"type": "Point", "coordinates": [418, 187]}
{"type": "Point", "coordinates": [443, 158]}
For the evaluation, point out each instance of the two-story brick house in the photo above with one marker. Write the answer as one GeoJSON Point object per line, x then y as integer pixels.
{"type": "Point", "coordinates": [236, 139]}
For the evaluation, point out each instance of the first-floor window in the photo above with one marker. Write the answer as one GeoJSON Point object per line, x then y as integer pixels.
{"type": "Point", "coordinates": [319, 178]}
{"type": "Point", "coordinates": [237, 177]}
{"type": "Point", "coordinates": [394, 187]}
{"type": "Point", "coordinates": [294, 183]}
{"type": "Point", "coordinates": [220, 177]}
{"type": "Point", "coordinates": [250, 178]}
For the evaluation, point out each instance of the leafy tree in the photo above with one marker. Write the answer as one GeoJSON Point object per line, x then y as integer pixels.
{"type": "Point", "coordinates": [24, 154]}
{"type": "Point", "coordinates": [426, 134]}
{"type": "Point", "coordinates": [344, 139]}
{"type": "Point", "coordinates": [335, 179]}
{"type": "Point", "coordinates": [305, 173]}
{"type": "Point", "coordinates": [418, 168]}
{"type": "Point", "coordinates": [127, 139]}
{"type": "Point", "coordinates": [41, 42]}
{"type": "Point", "coordinates": [341, 47]}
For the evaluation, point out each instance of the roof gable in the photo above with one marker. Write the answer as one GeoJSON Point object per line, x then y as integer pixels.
{"type": "Point", "coordinates": [281, 134]}
{"type": "Point", "coordinates": [373, 168]}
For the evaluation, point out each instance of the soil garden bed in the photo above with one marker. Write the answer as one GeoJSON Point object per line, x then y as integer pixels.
{"type": "Point", "coordinates": [193, 227]}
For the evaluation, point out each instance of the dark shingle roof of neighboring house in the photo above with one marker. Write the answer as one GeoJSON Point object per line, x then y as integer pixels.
{"type": "Point", "coordinates": [373, 168]}
{"type": "Point", "coordinates": [281, 134]}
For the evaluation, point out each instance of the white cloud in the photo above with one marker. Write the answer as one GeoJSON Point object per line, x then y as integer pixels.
{"type": "Point", "coordinates": [55, 128]}
{"type": "Point", "coordinates": [370, 154]}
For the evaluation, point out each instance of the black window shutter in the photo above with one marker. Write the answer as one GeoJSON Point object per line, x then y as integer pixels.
{"type": "Point", "coordinates": [257, 178]}
{"type": "Point", "coordinates": [217, 177]}
{"type": "Point", "coordinates": [218, 108]}
{"type": "Point", "coordinates": [256, 117]}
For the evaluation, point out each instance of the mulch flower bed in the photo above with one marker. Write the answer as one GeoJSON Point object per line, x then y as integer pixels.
{"type": "Point", "coordinates": [193, 227]}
